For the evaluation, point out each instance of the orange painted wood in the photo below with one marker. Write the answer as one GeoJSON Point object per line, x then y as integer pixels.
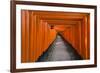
{"type": "Point", "coordinates": [60, 15]}
{"type": "Point", "coordinates": [32, 35]}
{"type": "Point", "coordinates": [23, 49]}
{"type": "Point", "coordinates": [25, 36]}
{"type": "Point", "coordinates": [37, 35]}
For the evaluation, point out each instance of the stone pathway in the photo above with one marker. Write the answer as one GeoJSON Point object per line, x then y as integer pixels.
{"type": "Point", "coordinates": [60, 51]}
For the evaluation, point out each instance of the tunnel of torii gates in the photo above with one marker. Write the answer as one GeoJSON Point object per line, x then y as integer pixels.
{"type": "Point", "coordinates": [40, 28]}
